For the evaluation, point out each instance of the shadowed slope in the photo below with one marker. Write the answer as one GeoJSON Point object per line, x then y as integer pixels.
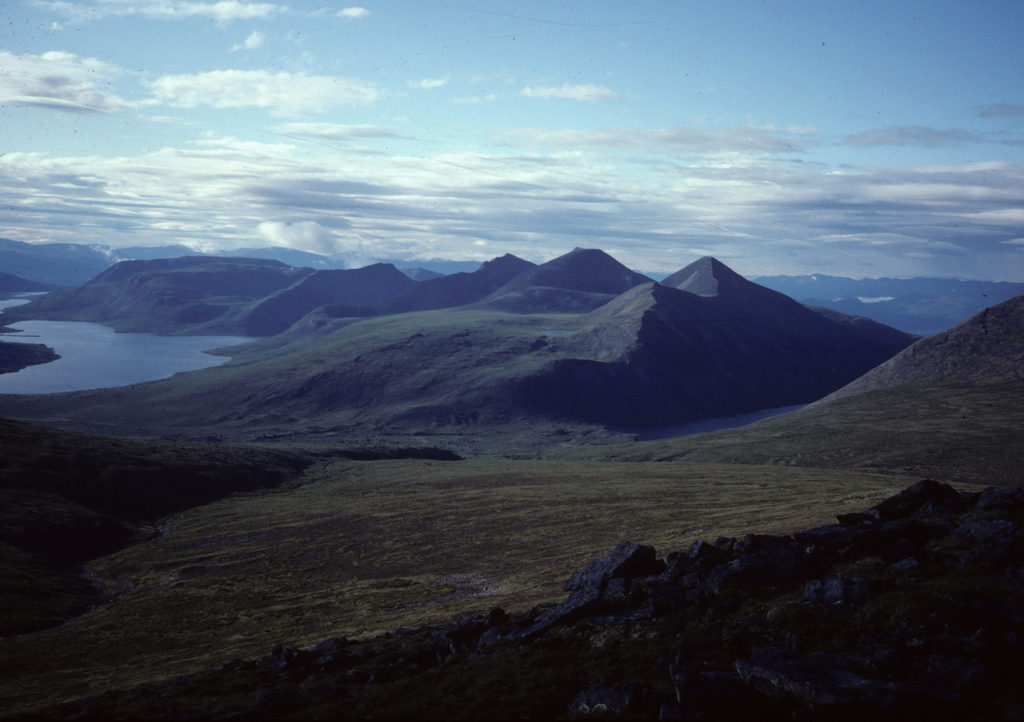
{"type": "Point", "coordinates": [580, 280]}
{"type": "Point", "coordinates": [663, 354]}
{"type": "Point", "coordinates": [458, 289]}
{"type": "Point", "coordinates": [359, 287]}
{"type": "Point", "coordinates": [951, 407]}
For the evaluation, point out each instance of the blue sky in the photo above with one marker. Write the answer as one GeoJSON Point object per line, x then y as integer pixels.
{"type": "Point", "coordinates": [860, 139]}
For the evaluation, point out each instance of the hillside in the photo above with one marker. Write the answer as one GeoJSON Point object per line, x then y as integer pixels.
{"type": "Point", "coordinates": [458, 289]}
{"type": "Point", "coordinates": [950, 407]}
{"type": "Point", "coordinates": [716, 346]}
{"type": "Point", "coordinates": [359, 289]}
{"type": "Point", "coordinates": [16, 356]}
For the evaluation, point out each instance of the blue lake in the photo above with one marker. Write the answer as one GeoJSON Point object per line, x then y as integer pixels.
{"type": "Point", "coordinates": [93, 356]}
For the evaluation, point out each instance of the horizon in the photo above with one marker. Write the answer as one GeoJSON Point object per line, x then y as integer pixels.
{"type": "Point", "coordinates": [862, 141]}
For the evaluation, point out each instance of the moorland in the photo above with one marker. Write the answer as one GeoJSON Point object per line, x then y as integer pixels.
{"type": "Point", "coordinates": [333, 522]}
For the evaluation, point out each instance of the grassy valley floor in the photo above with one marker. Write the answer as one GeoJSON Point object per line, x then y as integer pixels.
{"type": "Point", "coordinates": [359, 548]}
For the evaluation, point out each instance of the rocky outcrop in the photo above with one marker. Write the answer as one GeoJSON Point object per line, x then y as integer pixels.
{"type": "Point", "coordinates": [912, 609]}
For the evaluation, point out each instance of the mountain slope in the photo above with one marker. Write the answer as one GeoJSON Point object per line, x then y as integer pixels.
{"type": "Point", "coordinates": [659, 354]}
{"type": "Point", "coordinates": [355, 288]}
{"type": "Point", "coordinates": [949, 407]}
{"type": "Point", "coordinates": [458, 289]}
{"type": "Point", "coordinates": [988, 348]}
{"type": "Point", "coordinates": [580, 280]}
{"type": "Point", "coordinates": [188, 295]}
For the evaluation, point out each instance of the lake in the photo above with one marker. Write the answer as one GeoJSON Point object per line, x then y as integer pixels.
{"type": "Point", "coordinates": [94, 356]}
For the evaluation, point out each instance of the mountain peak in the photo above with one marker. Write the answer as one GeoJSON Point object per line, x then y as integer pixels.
{"type": "Point", "coordinates": [706, 276]}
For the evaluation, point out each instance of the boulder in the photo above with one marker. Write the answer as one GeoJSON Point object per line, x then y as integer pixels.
{"type": "Point", "coordinates": [912, 499]}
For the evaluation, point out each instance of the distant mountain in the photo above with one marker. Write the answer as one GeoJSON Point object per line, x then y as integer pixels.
{"type": "Point", "coordinates": [189, 295]}
{"type": "Point", "coordinates": [716, 345]}
{"type": "Point", "coordinates": [420, 274]}
{"type": "Point", "coordinates": [987, 349]}
{"type": "Point", "coordinates": [458, 289]}
{"type": "Point", "coordinates": [919, 305]}
{"type": "Point", "coordinates": [9, 283]}
{"type": "Point", "coordinates": [57, 264]}
{"type": "Point", "coordinates": [580, 280]}
{"type": "Point", "coordinates": [360, 289]}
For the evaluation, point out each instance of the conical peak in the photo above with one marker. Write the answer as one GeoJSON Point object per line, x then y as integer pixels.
{"type": "Point", "coordinates": [706, 276]}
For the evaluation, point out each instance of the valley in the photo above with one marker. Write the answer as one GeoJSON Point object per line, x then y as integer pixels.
{"type": "Point", "coordinates": [380, 460]}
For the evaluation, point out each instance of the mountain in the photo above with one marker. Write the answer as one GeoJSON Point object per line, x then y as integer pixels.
{"type": "Point", "coordinates": [9, 283]}
{"type": "Point", "coordinates": [55, 264]}
{"type": "Point", "coordinates": [358, 289]}
{"type": "Point", "coordinates": [189, 295]}
{"type": "Point", "coordinates": [716, 345]}
{"type": "Point", "coordinates": [949, 407]}
{"type": "Point", "coordinates": [654, 354]}
{"type": "Point", "coordinates": [919, 305]}
{"type": "Point", "coordinates": [580, 280]}
{"type": "Point", "coordinates": [460, 288]}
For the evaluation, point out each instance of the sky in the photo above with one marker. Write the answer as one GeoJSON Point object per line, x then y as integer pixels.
{"type": "Point", "coordinates": [859, 139]}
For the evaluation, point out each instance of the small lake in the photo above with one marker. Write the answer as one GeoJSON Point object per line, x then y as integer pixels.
{"type": "Point", "coordinates": [671, 431]}
{"type": "Point", "coordinates": [93, 356]}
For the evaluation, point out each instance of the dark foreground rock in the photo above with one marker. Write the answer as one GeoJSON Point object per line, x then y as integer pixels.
{"type": "Point", "coordinates": [913, 609]}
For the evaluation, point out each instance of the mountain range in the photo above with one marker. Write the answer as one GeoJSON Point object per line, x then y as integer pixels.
{"type": "Point", "coordinates": [580, 339]}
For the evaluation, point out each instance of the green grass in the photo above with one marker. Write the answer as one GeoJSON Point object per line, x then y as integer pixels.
{"type": "Point", "coordinates": [365, 547]}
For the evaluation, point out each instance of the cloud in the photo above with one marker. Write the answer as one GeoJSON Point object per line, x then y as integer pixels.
{"type": "Point", "coordinates": [57, 80]}
{"type": "Point", "coordinates": [255, 40]}
{"type": "Point", "coordinates": [353, 13]}
{"type": "Point", "coordinates": [1001, 110]}
{"type": "Point", "coordinates": [919, 135]}
{"type": "Point", "coordinates": [428, 83]}
{"type": "Point", "coordinates": [333, 131]}
{"type": "Point", "coordinates": [740, 139]}
{"type": "Point", "coordinates": [570, 92]}
{"type": "Point", "coordinates": [281, 93]}
{"type": "Point", "coordinates": [760, 213]}
{"type": "Point", "coordinates": [302, 235]}
{"type": "Point", "coordinates": [222, 11]}
{"type": "Point", "coordinates": [475, 99]}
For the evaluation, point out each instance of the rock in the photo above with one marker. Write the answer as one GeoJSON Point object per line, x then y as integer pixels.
{"type": "Point", "coordinates": [779, 561]}
{"type": "Point", "coordinates": [908, 502]}
{"type": "Point", "coordinates": [605, 699]}
{"type": "Point", "coordinates": [820, 681]}
{"type": "Point", "coordinates": [837, 589]}
{"type": "Point", "coordinates": [613, 574]}
{"type": "Point", "coordinates": [627, 561]}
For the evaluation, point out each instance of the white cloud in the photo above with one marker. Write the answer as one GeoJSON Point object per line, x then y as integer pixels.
{"type": "Point", "coordinates": [570, 92]}
{"type": "Point", "coordinates": [740, 139]}
{"type": "Point", "coordinates": [57, 80]}
{"type": "Point", "coordinates": [222, 11]}
{"type": "Point", "coordinates": [353, 13]}
{"type": "Point", "coordinates": [302, 235]}
{"type": "Point", "coordinates": [255, 40]}
{"type": "Point", "coordinates": [281, 93]}
{"type": "Point", "coordinates": [428, 83]}
{"type": "Point", "coordinates": [475, 99]}
{"type": "Point", "coordinates": [333, 131]}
